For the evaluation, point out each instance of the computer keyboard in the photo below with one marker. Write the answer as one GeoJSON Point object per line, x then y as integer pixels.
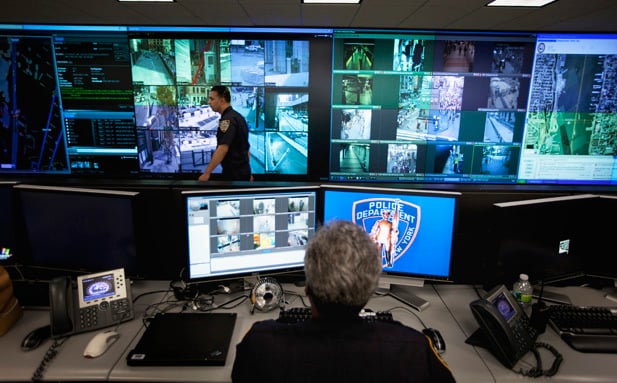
{"type": "Point", "coordinates": [586, 329]}
{"type": "Point", "coordinates": [301, 314]}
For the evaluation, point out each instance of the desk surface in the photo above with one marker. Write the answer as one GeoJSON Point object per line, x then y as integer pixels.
{"type": "Point", "coordinates": [467, 366]}
{"type": "Point", "coordinates": [448, 311]}
{"type": "Point", "coordinates": [70, 364]}
{"type": "Point", "coordinates": [576, 366]}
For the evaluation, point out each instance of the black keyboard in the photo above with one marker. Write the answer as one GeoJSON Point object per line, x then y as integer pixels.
{"type": "Point", "coordinates": [301, 314]}
{"type": "Point", "coordinates": [586, 329]}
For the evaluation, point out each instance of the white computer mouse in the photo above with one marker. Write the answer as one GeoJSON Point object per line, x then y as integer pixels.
{"type": "Point", "coordinates": [100, 343]}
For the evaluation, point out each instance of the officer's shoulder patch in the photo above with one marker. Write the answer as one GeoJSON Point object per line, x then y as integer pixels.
{"type": "Point", "coordinates": [224, 125]}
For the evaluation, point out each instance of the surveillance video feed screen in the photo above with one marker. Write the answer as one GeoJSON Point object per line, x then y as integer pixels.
{"type": "Point", "coordinates": [244, 232]}
{"type": "Point", "coordinates": [428, 107]}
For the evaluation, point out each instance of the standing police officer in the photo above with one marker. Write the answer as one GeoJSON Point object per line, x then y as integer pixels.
{"type": "Point", "coordinates": [232, 136]}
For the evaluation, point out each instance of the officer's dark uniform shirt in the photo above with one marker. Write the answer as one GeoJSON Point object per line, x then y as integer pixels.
{"type": "Point", "coordinates": [351, 350]}
{"type": "Point", "coordinates": [234, 132]}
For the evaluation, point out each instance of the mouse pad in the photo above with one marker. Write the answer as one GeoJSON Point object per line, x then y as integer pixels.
{"type": "Point", "coordinates": [184, 339]}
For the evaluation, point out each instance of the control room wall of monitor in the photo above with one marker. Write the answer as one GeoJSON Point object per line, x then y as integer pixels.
{"type": "Point", "coordinates": [399, 106]}
{"type": "Point", "coordinates": [511, 115]}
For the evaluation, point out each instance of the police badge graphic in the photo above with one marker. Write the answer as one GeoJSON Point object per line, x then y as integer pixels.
{"type": "Point", "coordinates": [393, 225]}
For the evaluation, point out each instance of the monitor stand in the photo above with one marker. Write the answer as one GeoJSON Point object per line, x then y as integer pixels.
{"type": "Point", "coordinates": [404, 293]}
{"type": "Point", "coordinates": [599, 282]}
{"type": "Point", "coordinates": [539, 293]}
{"type": "Point", "coordinates": [217, 287]}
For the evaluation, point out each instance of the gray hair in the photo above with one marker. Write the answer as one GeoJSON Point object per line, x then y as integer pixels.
{"type": "Point", "coordinates": [342, 264]}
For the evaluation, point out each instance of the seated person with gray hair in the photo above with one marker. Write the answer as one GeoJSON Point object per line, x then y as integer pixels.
{"type": "Point", "coordinates": [342, 267]}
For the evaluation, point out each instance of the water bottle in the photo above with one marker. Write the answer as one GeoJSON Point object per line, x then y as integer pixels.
{"type": "Point", "coordinates": [523, 291]}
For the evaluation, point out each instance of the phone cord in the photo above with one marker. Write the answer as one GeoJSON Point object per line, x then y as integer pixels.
{"type": "Point", "coordinates": [49, 356]}
{"type": "Point", "coordinates": [537, 371]}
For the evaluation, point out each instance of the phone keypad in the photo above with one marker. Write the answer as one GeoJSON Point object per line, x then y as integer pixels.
{"type": "Point", "coordinates": [525, 335]}
{"type": "Point", "coordinates": [88, 317]}
{"type": "Point", "coordinates": [104, 314]}
{"type": "Point", "coordinates": [120, 310]}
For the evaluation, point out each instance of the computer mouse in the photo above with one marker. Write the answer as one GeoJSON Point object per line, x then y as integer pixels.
{"type": "Point", "coordinates": [436, 339]}
{"type": "Point", "coordinates": [100, 343]}
{"type": "Point", "coordinates": [35, 338]}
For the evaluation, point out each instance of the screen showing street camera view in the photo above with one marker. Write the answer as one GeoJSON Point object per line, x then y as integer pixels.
{"type": "Point", "coordinates": [428, 107]}
{"type": "Point", "coordinates": [132, 101]}
{"type": "Point", "coordinates": [269, 81]}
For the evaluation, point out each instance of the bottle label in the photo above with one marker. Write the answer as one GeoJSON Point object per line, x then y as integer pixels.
{"type": "Point", "coordinates": [524, 298]}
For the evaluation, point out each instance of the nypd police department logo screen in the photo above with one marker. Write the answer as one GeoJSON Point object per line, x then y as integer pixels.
{"type": "Point", "coordinates": [414, 232]}
{"type": "Point", "coordinates": [392, 224]}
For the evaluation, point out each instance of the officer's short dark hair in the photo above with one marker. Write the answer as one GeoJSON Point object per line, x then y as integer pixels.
{"type": "Point", "coordinates": [222, 91]}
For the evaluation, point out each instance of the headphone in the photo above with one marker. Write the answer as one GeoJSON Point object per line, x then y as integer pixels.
{"type": "Point", "coordinates": [267, 294]}
{"type": "Point", "coordinates": [537, 371]}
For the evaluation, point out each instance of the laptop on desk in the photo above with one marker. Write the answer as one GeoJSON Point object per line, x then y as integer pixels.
{"type": "Point", "coordinates": [184, 339]}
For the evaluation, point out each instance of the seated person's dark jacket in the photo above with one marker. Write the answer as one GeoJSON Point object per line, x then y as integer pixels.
{"type": "Point", "coordinates": [349, 350]}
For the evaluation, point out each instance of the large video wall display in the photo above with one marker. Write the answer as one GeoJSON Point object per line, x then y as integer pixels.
{"type": "Point", "coordinates": [474, 108]}
{"type": "Point", "coordinates": [133, 101]}
{"type": "Point", "coordinates": [348, 105]}
{"type": "Point", "coordinates": [428, 107]}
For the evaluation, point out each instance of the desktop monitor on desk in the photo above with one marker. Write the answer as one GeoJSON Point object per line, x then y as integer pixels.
{"type": "Point", "coordinates": [7, 223]}
{"type": "Point", "coordinates": [236, 233]}
{"type": "Point", "coordinates": [559, 241]}
{"type": "Point", "coordinates": [72, 231]}
{"type": "Point", "coordinates": [601, 263]}
{"type": "Point", "coordinates": [420, 227]}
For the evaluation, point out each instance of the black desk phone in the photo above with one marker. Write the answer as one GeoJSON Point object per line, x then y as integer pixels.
{"type": "Point", "coordinates": [95, 301]}
{"type": "Point", "coordinates": [505, 328]}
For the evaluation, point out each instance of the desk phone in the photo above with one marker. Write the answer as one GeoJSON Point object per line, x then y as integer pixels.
{"type": "Point", "coordinates": [95, 301]}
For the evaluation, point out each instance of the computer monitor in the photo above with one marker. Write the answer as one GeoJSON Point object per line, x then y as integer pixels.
{"type": "Point", "coordinates": [278, 79]}
{"type": "Point", "coordinates": [236, 233]}
{"type": "Point", "coordinates": [601, 263]}
{"type": "Point", "coordinates": [546, 239]}
{"type": "Point", "coordinates": [428, 106]}
{"type": "Point", "coordinates": [8, 238]}
{"type": "Point", "coordinates": [132, 101]}
{"type": "Point", "coordinates": [414, 229]}
{"type": "Point", "coordinates": [72, 231]}
{"type": "Point", "coordinates": [570, 116]}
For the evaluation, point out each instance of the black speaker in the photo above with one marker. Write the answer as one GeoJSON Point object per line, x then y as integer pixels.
{"type": "Point", "coordinates": [183, 291]}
